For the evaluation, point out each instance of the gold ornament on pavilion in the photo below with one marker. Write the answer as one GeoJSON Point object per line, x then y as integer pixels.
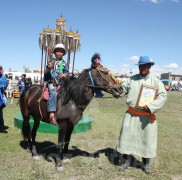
{"type": "Point", "coordinates": [77, 41]}
{"type": "Point", "coordinates": [49, 38]}
{"type": "Point", "coordinates": [61, 24]}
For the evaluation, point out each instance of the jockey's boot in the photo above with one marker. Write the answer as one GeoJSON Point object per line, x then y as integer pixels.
{"type": "Point", "coordinates": [126, 162]}
{"type": "Point", "coordinates": [146, 166]}
{"type": "Point", "coordinates": [52, 119]}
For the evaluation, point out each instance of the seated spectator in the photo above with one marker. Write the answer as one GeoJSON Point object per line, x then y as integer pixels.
{"type": "Point", "coordinates": [174, 88]}
{"type": "Point", "coordinates": [9, 91]}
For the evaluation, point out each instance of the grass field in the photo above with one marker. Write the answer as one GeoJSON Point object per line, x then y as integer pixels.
{"type": "Point", "coordinates": [17, 164]}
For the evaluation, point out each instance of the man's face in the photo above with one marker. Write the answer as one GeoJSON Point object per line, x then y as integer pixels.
{"type": "Point", "coordinates": [97, 61]}
{"type": "Point", "coordinates": [1, 71]}
{"type": "Point", "coordinates": [144, 69]}
{"type": "Point", "coordinates": [23, 76]}
{"type": "Point", "coordinates": [50, 65]}
{"type": "Point", "coordinates": [59, 53]}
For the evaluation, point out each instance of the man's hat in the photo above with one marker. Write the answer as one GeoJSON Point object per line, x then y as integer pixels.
{"type": "Point", "coordinates": [60, 46]}
{"type": "Point", "coordinates": [145, 60]}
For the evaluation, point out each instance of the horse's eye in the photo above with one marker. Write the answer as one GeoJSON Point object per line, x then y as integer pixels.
{"type": "Point", "coordinates": [105, 72]}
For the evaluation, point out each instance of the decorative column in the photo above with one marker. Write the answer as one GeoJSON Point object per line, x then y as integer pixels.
{"type": "Point", "coordinates": [69, 44]}
{"type": "Point", "coordinates": [76, 46]}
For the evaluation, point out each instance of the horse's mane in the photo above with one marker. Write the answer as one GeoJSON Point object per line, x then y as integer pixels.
{"type": "Point", "coordinates": [72, 89]}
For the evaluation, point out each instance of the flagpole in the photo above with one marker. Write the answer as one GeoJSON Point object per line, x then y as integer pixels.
{"type": "Point", "coordinates": [76, 40]}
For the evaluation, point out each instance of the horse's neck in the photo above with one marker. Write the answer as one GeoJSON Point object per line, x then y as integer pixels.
{"type": "Point", "coordinates": [78, 93]}
{"type": "Point", "coordinates": [86, 94]}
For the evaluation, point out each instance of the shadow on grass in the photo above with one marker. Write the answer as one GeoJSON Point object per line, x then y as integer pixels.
{"type": "Point", "coordinates": [116, 158]}
{"type": "Point", "coordinates": [49, 150]}
{"type": "Point", "coordinates": [108, 97]}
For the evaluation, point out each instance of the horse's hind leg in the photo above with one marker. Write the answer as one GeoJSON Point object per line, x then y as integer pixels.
{"type": "Point", "coordinates": [26, 132]}
{"type": "Point", "coordinates": [33, 135]}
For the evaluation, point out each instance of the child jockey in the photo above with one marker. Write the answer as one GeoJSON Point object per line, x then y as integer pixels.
{"type": "Point", "coordinates": [55, 75]}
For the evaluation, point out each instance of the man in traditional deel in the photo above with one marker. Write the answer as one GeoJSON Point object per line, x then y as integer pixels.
{"type": "Point", "coordinates": [138, 135]}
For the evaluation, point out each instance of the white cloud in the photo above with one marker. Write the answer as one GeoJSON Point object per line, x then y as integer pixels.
{"type": "Point", "coordinates": [134, 58]}
{"type": "Point", "coordinates": [158, 1]}
{"type": "Point", "coordinates": [125, 65]}
{"type": "Point", "coordinates": [155, 70]}
{"type": "Point", "coordinates": [111, 66]}
{"type": "Point", "coordinates": [176, 1]}
{"type": "Point", "coordinates": [173, 68]}
{"type": "Point", "coordinates": [153, 1]}
{"type": "Point", "coordinates": [172, 65]}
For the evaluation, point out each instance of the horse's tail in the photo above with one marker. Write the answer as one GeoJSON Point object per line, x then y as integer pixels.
{"type": "Point", "coordinates": [32, 93]}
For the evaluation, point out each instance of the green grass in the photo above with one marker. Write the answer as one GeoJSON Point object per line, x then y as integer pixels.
{"type": "Point", "coordinates": [107, 113]}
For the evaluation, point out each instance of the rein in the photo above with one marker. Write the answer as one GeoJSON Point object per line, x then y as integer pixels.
{"type": "Point", "coordinates": [92, 81]}
{"type": "Point", "coordinates": [99, 87]}
{"type": "Point", "coordinates": [102, 76]}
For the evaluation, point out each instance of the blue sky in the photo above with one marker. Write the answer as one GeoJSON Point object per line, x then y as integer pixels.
{"type": "Point", "coordinates": [120, 30]}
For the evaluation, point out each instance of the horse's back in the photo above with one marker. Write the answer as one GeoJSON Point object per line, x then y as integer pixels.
{"type": "Point", "coordinates": [35, 90]}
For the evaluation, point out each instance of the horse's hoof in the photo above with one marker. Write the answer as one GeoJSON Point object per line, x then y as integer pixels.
{"type": "Point", "coordinates": [66, 160]}
{"type": "Point", "coordinates": [28, 150]}
{"type": "Point", "coordinates": [36, 157]}
{"type": "Point", "coordinates": [60, 168]}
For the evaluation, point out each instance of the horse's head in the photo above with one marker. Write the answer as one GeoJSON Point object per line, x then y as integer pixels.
{"type": "Point", "coordinates": [102, 79]}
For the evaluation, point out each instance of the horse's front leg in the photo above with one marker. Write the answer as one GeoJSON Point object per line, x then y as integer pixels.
{"type": "Point", "coordinates": [34, 130]}
{"type": "Point", "coordinates": [69, 131]}
{"type": "Point", "coordinates": [61, 142]}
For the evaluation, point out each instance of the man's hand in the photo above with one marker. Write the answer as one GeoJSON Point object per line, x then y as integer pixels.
{"type": "Point", "coordinates": [146, 109]}
{"type": "Point", "coordinates": [50, 66]}
{"type": "Point", "coordinates": [50, 52]}
{"type": "Point", "coordinates": [62, 76]}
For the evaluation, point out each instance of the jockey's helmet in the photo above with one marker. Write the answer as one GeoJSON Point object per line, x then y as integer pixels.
{"type": "Point", "coordinates": [60, 46]}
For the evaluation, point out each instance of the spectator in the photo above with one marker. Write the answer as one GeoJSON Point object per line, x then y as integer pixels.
{"type": "Point", "coordinates": [21, 83]}
{"type": "Point", "coordinates": [3, 86]}
{"type": "Point", "coordinates": [9, 91]}
{"type": "Point", "coordinates": [28, 82]}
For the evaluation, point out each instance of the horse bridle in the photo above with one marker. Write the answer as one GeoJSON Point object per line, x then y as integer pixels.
{"type": "Point", "coordinates": [93, 84]}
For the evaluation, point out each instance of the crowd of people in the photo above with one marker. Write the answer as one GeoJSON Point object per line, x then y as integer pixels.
{"type": "Point", "coordinates": [176, 87]}
{"type": "Point", "coordinates": [6, 91]}
{"type": "Point", "coordinates": [23, 83]}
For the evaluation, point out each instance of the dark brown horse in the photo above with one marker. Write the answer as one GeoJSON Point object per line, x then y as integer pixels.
{"type": "Point", "coordinates": [72, 100]}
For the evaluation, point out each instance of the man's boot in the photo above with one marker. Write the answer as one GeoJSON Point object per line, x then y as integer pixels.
{"type": "Point", "coordinates": [146, 167]}
{"type": "Point", "coordinates": [126, 162]}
